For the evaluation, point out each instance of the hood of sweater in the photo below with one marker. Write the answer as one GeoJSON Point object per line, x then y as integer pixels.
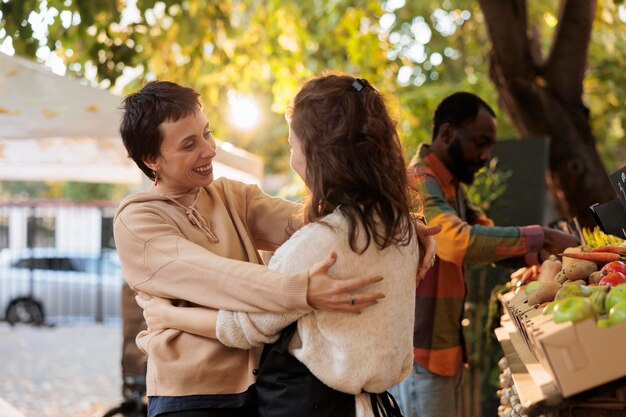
{"type": "Point", "coordinates": [195, 217]}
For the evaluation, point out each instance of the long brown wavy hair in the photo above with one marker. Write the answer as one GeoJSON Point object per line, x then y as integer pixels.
{"type": "Point", "coordinates": [354, 159]}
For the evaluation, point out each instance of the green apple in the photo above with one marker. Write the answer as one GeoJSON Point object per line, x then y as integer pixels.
{"type": "Point", "coordinates": [574, 309]}
{"type": "Point", "coordinates": [603, 323]}
{"type": "Point", "coordinates": [569, 289]}
{"type": "Point", "coordinates": [586, 290]}
{"type": "Point", "coordinates": [592, 289]}
{"type": "Point", "coordinates": [615, 295]}
{"type": "Point", "coordinates": [617, 314]}
{"type": "Point", "coordinates": [597, 300]}
{"type": "Point", "coordinates": [532, 286]}
{"type": "Point", "coordinates": [550, 307]}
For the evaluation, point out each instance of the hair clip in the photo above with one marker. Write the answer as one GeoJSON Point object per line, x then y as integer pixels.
{"type": "Point", "coordinates": [359, 84]}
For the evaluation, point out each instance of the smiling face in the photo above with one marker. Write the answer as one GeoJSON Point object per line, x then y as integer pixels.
{"type": "Point", "coordinates": [186, 155]}
{"type": "Point", "coordinates": [297, 160]}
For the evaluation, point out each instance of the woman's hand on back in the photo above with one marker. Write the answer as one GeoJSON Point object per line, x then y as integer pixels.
{"type": "Point", "coordinates": [328, 294]}
{"type": "Point", "coordinates": [428, 247]}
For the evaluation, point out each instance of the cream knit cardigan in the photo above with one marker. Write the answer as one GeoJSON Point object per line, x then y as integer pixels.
{"type": "Point", "coordinates": [352, 353]}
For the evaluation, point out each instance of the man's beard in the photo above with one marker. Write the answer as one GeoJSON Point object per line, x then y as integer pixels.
{"type": "Point", "coordinates": [461, 168]}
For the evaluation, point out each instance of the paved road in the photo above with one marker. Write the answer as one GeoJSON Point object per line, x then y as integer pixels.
{"type": "Point", "coordinates": [63, 371]}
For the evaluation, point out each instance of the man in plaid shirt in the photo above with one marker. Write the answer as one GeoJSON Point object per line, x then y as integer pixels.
{"type": "Point", "coordinates": [464, 131]}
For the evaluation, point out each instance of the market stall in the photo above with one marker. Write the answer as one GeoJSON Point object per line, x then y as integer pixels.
{"type": "Point", "coordinates": [563, 333]}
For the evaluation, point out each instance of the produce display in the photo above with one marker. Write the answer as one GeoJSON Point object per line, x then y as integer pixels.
{"type": "Point", "coordinates": [557, 316]}
{"type": "Point", "coordinates": [588, 283]}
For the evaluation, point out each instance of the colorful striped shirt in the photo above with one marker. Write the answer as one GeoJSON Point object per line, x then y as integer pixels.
{"type": "Point", "coordinates": [467, 236]}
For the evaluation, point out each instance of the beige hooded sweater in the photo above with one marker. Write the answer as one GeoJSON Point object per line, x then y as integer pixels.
{"type": "Point", "coordinates": [208, 257]}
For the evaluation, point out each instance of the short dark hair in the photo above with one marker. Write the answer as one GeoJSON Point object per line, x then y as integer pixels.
{"type": "Point", "coordinates": [458, 109]}
{"type": "Point", "coordinates": [354, 159]}
{"type": "Point", "coordinates": [145, 110]}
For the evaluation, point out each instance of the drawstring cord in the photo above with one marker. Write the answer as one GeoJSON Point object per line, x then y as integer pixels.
{"type": "Point", "coordinates": [195, 217]}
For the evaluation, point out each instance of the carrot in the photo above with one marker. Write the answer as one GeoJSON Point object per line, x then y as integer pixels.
{"type": "Point", "coordinates": [611, 249]}
{"type": "Point", "coordinates": [597, 257]}
{"type": "Point", "coordinates": [573, 269]}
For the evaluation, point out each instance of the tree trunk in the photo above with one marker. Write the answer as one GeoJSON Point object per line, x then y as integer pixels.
{"type": "Point", "coordinates": [544, 98]}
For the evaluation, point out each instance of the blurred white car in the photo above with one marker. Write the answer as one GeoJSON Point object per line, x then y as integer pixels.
{"type": "Point", "coordinates": [54, 285]}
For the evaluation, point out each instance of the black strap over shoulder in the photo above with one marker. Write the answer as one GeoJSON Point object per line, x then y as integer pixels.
{"type": "Point", "coordinates": [286, 388]}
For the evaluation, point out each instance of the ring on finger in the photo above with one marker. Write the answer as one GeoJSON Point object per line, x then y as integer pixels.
{"type": "Point", "coordinates": [352, 299]}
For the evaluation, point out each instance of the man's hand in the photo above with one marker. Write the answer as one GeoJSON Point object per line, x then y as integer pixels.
{"type": "Point", "coordinates": [555, 241]}
{"type": "Point", "coordinates": [327, 294]}
{"type": "Point", "coordinates": [428, 247]}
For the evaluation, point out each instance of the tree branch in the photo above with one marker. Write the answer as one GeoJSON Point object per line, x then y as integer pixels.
{"type": "Point", "coordinates": [566, 64]}
{"type": "Point", "coordinates": [506, 23]}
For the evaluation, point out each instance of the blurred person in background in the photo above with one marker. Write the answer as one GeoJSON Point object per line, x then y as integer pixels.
{"type": "Point", "coordinates": [464, 131]}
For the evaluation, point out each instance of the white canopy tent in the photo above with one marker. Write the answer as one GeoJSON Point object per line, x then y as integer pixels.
{"type": "Point", "coordinates": [36, 103]}
{"type": "Point", "coordinates": [55, 128]}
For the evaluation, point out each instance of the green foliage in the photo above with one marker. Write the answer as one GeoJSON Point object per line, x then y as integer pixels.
{"type": "Point", "coordinates": [23, 189]}
{"type": "Point", "coordinates": [488, 186]}
{"type": "Point", "coordinates": [425, 33]}
{"type": "Point", "coordinates": [417, 54]}
{"type": "Point", "coordinates": [74, 191]}
{"type": "Point", "coordinates": [84, 191]}
{"type": "Point", "coordinates": [605, 84]}
{"type": "Point", "coordinates": [265, 50]}
{"type": "Point", "coordinates": [262, 49]}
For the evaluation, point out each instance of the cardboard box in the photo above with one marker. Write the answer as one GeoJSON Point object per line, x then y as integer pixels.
{"type": "Point", "coordinates": [578, 356]}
